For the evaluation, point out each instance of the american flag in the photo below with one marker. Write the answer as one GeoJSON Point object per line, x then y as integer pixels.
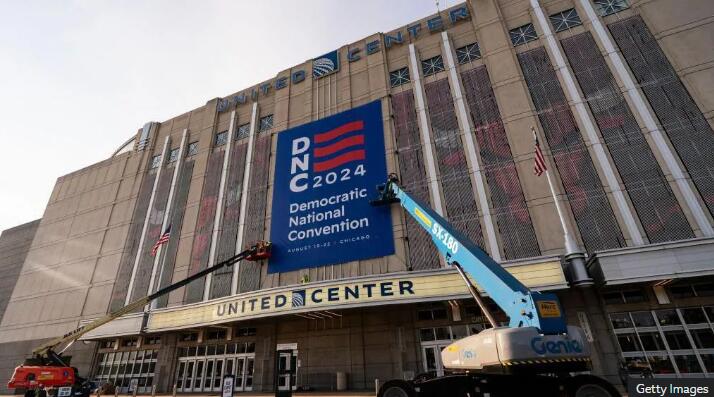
{"type": "Point", "coordinates": [162, 240]}
{"type": "Point", "coordinates": [539, 168]}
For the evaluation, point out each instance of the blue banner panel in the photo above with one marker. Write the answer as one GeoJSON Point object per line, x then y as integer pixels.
{"type": "Point", "coordinates": [325, 174]}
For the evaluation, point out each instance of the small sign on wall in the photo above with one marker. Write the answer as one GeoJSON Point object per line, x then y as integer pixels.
{"type": "Point", "coordinates": [228, 384]}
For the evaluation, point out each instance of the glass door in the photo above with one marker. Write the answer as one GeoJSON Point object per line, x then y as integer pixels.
{"type": "Point", "coordinates": [198, 376]}
{"type": "Point", "coordinates": [240, 374]}
{"type": "Point", "coordinates": [188, 377]}
{"type": "Point", "coordinates": [208, 378]}
{"type": "Point", "coordinates": [284, 368]}
{"type": "Point", "coordinates": [179, 375]}
{"type": "Point", "coordinates": [431, 355]}
{"type": "Point", "coordinates": [218, 376]}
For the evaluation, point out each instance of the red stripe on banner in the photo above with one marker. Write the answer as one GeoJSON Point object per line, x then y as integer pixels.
{"type": "Point", "coordinates": [341, 130]}
{"type": "Point", "coordinates": [339, 145]}
{"type": "Point", "coordinates": [339, 160]}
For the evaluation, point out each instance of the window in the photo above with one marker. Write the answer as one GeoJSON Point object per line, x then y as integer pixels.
{"type": "Point", "coordinates": [661, 364]}
{"type": "Point", "coordinates": [156, 161]}
{"type": "Point", "coordinates": [629, 343]}
{"type": "Point", "coordinates": [677, 340]}
{"type": "Point", "coordinates": [652, 341]}
{"type": "Point", "coordinates": [706, 289]}
{"type": "Point", "coordinates": [152, 340]}
{"type": "Point", "coordinates": [634, 296]}
{"type": "Point", "coordinates": [681, 291]}
{"type": "Point", "coordinates": [523, 34]}
{"type": "Point", "coordinates": [189, 337]}
{"type": "Point", "coordinates": [216, 334]}
{"type": "Point", "coordinates": [620, 320]}
{"type": "Point", "coordinates": [607, 7]}
{"type": "Point", "coordinates": [432, 314]}
{"type": "Point", "coordinates": [243, 131]}
{"type": "Point", "coordinates": [221, 138]}
{"type": "Point", "coordinates": [173, 155]}
{"type": "Point", "coordinates": [133, 342]}
{"type": "Point", "coordinates": [703, 338]}
{"type": "Point", "coordinates": [687, 364]}
{"type": "Point", "coordinates": [399, 77]}
{"type": "Point", "coordinates": [643, 319]}
{"type": "Point", "coordinates": [667, 317]}
{"type": "Point", "coordinates": [694, 315]}
{"type": "Point", "coordinates": [192, 149]}
{"type": "Point", "coordinates": [108, 344]}
{"type": "Point", "coordinates": [248, 331]}
{"type": "Point", "coordinates": [468, 53]}
{"type": "Point", "coordinates": [266, 123]}
{"type": "Point", "coordinates": [565, 20]}
{"type": "Point", "coordinates": [432, 65]}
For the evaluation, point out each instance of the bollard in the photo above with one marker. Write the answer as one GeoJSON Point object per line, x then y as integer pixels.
{"type": "Point", "coordinates": [376, 387]}
{"type": "Point", "coordinates": [153, 391]}
{"type": "Point", "coordinates": [174, 392]}
{"type": "Point", "coordinates": [133, 392]}
{"type": "Point", "coordinates": [116, 391]}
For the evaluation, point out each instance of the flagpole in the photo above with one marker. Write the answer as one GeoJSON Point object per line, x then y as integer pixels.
{"type": "Point", "coordinates": [574, 256]}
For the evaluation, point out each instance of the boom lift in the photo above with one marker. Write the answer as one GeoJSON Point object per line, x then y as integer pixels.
{"type": "Point", "coordinates": [48, 369]}
{"type": "Point", "coordinates": [533, 355]}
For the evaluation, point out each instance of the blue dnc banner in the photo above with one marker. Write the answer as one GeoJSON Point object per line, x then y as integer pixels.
{"type": "Point", "coordinates": [325, 174]}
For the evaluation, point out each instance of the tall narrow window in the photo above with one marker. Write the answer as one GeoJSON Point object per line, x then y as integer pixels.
{"type": "Point", "coordinates": [468, 53]}
{"type": "Point", "coordinates": [432, 65]}
{"type": "Point", "coordinates": [266, 123]}
{"type": "Point", "coordinates": [243, 131]}
{"type": "Point", "coordinates": [523, 34]}
{"type": "Point", "coordinates": [221, 138]}
{"type": "Point", "coordinates": [565, 20]}
{"type": "Point", "coordinates": [399, 77]}
{"type": "Point", "coordinates": [156, 161]}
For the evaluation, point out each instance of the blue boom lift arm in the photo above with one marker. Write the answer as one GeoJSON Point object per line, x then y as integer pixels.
{"type": "Point", "coordinates": [524, 307]}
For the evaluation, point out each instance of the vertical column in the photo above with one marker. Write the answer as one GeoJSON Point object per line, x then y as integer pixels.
{"type": "Point", "coordinates": [415, 71]}
{"type": "Point", "coordinates": [648, 119]}
{"type": "Point", "coordinates": [588, 125]}
{"type": "Point", "coordinates": [167, 211]}
{"type": "Point", "coordinates": [146, 223]}
{"type": "Point", "coordinates": [474, 162]}
{"type": "Point", "coordinates": [219, 205]}
{"type": "Point", "coordinates": [244, 194]}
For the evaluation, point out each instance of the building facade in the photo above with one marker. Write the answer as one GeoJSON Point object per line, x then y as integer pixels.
{"type": "Point", "coordinates": [620, 94]}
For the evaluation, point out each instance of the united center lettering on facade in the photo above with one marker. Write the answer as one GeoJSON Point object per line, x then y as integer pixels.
{"type": "Point", "coordinates": [398, 37]}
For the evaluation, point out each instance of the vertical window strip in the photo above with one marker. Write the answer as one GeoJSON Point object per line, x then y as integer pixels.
{"type": "Point", "coordinates": [593, 214]}
{"type": "Point", "coordinates": [686, 127]}
{"type": "Point", "coordinates": [412, 175]}
{"type": "Point", "coordinates": [652, 198]}
{"type": "Point", "coordinates": [509, 204]}
{"type": "Point", "coordinates": [461, 208]}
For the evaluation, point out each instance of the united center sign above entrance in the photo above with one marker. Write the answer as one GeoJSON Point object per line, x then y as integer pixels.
{"type": "Point", "coordinates": [329, 63]}
{"type": "Point", "coordinates": [393, 288]}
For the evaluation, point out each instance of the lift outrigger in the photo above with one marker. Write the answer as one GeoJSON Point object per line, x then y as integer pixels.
{"type": "Point", "coordinates": [47, 368]}
{"type": "Point", "coordinates": [534, 355]}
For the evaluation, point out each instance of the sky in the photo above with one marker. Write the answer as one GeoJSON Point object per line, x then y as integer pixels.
{"type": "Point", "coordinates": [78, 78]}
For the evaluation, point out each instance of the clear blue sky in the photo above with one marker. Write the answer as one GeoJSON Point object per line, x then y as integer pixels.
{"type": "Point", "coordinates": [80, 77]}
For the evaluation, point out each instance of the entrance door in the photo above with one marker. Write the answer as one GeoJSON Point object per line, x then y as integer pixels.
{"type": "Point", "coordinates": [188, 377]}
{"type": "Point", "coordinates": [431, 355]}
{"type": "Point", "coordinates": [218, 375]}
{"type": "Point", "coordinates": [286, 369]}
{"type": "Point", "coordinates": [198, 377]}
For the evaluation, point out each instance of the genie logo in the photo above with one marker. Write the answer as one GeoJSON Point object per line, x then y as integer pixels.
{"type": "Point", "coordinates": [560, 347]}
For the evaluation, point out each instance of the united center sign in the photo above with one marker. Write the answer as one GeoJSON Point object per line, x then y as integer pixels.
{"type": "Point", "coordinates": [395, 288]}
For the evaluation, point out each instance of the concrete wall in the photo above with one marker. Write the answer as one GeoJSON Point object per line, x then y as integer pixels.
{"type": "Point", "coordinates": [14, 245]}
